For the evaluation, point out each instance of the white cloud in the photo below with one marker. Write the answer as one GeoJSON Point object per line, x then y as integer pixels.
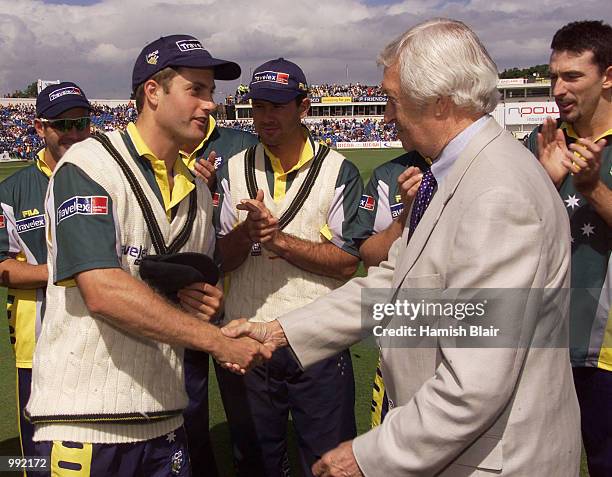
{"type": "Point", "coordinates": [96, 45]}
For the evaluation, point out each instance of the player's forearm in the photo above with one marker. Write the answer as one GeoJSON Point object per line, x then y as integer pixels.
{"type": "Point", "coordinates": [233, 248]}
{"type": "Point", "coordinates": [376, 248]}
{"type": "Point", "coordinates": [600, 197]}
{"type": "Point", "coordinates": [16, 274]}
{"type": "Point", "coordinates": [134, 307]}
{"type": "Point", "coordinates": [321, 258]}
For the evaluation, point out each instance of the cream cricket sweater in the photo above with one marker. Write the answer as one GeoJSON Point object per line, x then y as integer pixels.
{"type": "Point", "coordinates": [93, 382]}
{"type": "Point", "coordinates": [265, 287]}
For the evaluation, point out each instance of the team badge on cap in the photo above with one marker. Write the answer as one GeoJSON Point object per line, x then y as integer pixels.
{"type": "Point", "coordinates": [152, 57]}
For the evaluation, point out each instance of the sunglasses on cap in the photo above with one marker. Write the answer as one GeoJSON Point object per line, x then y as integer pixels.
{"type": "Point", "coordinates": [65, 125]}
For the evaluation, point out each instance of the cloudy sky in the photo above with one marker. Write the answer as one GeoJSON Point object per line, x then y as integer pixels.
{"type": "Point", "coordinates": [95, 42]}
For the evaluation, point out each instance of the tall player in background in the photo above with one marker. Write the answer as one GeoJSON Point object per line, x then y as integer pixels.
{"type": "Point", "coordinates": [62, 119]}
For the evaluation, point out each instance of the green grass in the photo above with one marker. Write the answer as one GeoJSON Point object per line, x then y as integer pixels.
{"type": "Point", "coordinates": [364, 360]}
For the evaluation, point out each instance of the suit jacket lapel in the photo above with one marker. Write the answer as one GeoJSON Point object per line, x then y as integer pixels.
{"type": "Point", "coordinates": [419, 239]}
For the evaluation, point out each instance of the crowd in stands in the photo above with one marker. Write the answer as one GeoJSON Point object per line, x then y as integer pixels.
{"type": "Point", "coordinates": [332, 131]}
{"type": "Point", "coordinates": [353, 90]}
{"type": "Point", "coordinates": [18, 136]}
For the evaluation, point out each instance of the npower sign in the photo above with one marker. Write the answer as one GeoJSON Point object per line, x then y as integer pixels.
{"type": "Point", "coordinates": [529, 113]}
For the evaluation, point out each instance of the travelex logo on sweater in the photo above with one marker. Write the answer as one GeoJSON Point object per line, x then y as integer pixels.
{"type": "Point", "coordinates": [82, 205]}
{"type": "Point", "coordinates": [30, 223]}
{"type": "Point", "coordinates": [367, 202]}
{"type": "Point", "coordinates": [396, 210]}
{"type": "Point", "coordinates": [135, 252]}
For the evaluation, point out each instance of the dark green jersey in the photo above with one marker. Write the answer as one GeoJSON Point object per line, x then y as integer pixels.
{"type": "Point", "coordinates": [381, 202]}
{"type": "Point", "coordinates": [22, 236]}
{"type": "Point", "coordinates": [226, 142]}
{"type": "Point", "coordinates": [591, 303]}
{"type": "Point", "coordinates": [23, 205]}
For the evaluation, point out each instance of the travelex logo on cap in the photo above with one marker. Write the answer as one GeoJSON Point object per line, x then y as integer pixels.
{"type": "Point", "coordinates": [179, 51]}
{"type": "Point", "coordinates": [55, 99]}
{"type": "Point", "coordinates": [189, 45]}
{"type": "Point", "coordinates": [271, 76]}
{"type": "Point", "coordinates": [64, 91]}
{"type": "Point", "coordinates": [278, 81]}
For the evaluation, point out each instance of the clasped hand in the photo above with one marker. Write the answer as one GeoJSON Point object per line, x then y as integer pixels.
{"type": "Point", "coordinates": [260, 225]}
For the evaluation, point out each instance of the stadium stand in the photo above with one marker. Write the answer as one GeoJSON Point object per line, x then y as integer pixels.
{"type": "Point", "coordinates": [19, 138]}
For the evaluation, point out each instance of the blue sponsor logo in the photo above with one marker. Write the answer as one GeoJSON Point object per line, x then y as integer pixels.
{"type": "Point", "coordinates": [189, 45]}
{"type": "Point", "coordinates": [396, 210]}
{"type": "Point", "coordinates": [58, 93]}
{"type": "Point", "coordinates": [271, 77]}
{"type": "Point", "coordinates": [137, 253]}
{"type": "Point", "coordinates": [82, 205]}
{"type": "Point", "coordinates": [31, 223]}
{"type": "Point", "coordinates": [218, 162]}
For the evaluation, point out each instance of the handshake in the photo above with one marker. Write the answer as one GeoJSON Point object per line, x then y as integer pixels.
{"type": "Point", "coordinates": [246, 344]}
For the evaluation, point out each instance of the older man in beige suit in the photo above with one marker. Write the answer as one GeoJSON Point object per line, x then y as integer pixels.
{"type": "Point", "coordinates": [494, 222]}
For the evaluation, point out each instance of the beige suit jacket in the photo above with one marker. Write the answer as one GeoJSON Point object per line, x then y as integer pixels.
{"type": "Point", "coordinates": [496, 222]}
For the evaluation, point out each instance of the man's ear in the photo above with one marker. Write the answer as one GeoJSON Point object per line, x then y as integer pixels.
{"type": "Point", "coordinates": [607, 81]}
{"type": "Point", "coordinates": [304, 107]}
{"type": "Point", "coordinates": [152, 92]}
{"type": "Point", "coordinates": [442, 106]}
{"type": "Point", "coordinates": [40, 128]}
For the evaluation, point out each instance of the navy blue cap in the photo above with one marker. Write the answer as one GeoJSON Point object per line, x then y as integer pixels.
{"type": "Point", "coordinates": [278, 81]}
{"type": "Point", "coordinates": [58, 98]}
{"type": "Point", "coordinates": [179, 50]}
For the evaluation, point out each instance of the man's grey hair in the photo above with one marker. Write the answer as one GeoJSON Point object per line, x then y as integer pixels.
{"type": "Point", "coordinates": [443, 57]}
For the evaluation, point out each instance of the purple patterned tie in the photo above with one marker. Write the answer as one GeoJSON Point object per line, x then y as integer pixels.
{"type": "Point", "coordinates": [422, 200]}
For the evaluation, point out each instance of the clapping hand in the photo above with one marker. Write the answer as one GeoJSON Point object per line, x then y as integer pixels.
{"type": "Point", "coordinates": [583, 160]}
{"type": "Point", "coordinates": [205, 169]}
{"type": "Point", "coordinates": [261, 225]}
{"type": "Point", "coordinates": [552, 150]}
